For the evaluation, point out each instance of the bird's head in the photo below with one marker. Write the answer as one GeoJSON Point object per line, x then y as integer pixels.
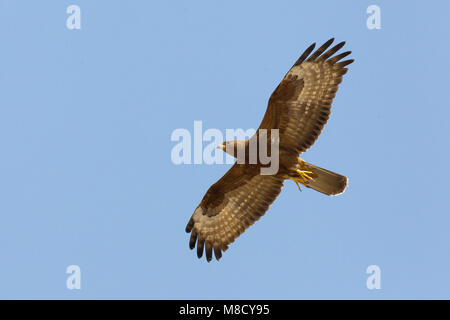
{"type": "Point", "coordinates": [231, 147]}
{"type": "Point", "coordinates": [226, 145]}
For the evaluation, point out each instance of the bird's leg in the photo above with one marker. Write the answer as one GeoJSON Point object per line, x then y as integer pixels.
{"type": "Point", "coordinates": [301, 176]}
{"type": "Point", "coordinates": [298, 186]}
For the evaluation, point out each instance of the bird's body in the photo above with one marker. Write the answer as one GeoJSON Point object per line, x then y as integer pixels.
{"type": "Point", "coordinates": [297, 111]}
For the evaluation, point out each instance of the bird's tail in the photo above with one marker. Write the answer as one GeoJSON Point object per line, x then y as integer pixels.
{"type": "Point", "coordinates": [324, 181]}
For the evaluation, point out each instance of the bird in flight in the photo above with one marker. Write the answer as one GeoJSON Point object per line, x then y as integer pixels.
{"type": "Point", "coordinates": [298, 109]}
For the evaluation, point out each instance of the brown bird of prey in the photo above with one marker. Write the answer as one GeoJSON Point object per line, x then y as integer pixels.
{"type": "Point", "coordinates": [299, 108]}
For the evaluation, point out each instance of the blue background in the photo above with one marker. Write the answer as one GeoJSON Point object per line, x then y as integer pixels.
{"type": "Point", "coordinates": [86, 176]}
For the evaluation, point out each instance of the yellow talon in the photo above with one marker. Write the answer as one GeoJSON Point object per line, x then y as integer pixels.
{"type": "Point", "coordinates": [304, 176]}
{"type": "Point", "coordinates": [298, 186]}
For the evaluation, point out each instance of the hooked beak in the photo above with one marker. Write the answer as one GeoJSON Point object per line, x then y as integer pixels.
{"type": "Point", "coordinates": [221, 147]}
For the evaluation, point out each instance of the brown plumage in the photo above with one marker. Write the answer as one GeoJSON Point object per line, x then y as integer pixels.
{"type": "Point", "coordinates": [299, 108]}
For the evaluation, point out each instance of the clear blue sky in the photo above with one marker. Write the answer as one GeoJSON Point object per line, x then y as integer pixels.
{"type": "Point", "coordinates": [86, 176]}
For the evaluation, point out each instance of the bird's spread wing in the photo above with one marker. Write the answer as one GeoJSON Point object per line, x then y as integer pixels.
{"type": "Point", "coordinates": [229, 207]}
{"type": "Point", "coordinates": [300, 105]}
